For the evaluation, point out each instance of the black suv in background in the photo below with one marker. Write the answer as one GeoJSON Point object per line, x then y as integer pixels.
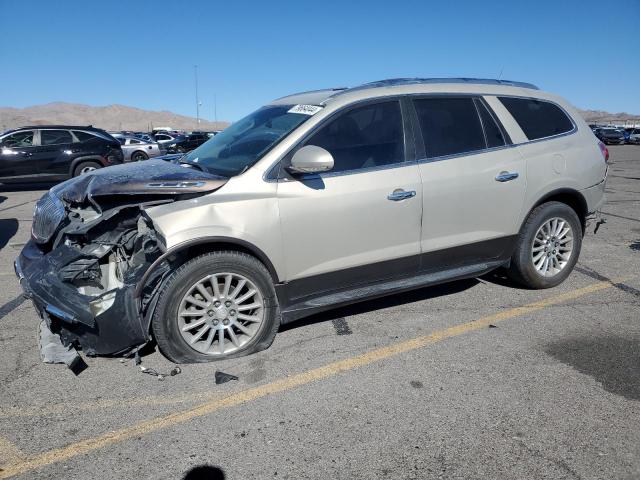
{"type": "Point", "coordinates": [55, 152]}
{"type": "Point", "coordinates": [186, 143]}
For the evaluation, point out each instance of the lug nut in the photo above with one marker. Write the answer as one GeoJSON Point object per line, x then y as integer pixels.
{"type": "Point", "coordinates": [216, 304]}
{"type": "Point", "coordinates": [232, 312]}
{"type": "Point", "coordinates": [227, 303]}
{"type": "Point", "coordinates": [225, 321]}
{"type": "Point", "coordinates": [215, 322]}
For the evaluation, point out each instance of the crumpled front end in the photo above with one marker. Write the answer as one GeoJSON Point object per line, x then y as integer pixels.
{"type": "Point", "coordinates": [86, 267]}
{"type": "Point", "coordinates": [86, 291]}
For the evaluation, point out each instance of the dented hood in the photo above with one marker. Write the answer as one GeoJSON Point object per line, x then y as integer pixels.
{"type": "Point", "coordinates": [150, 177]}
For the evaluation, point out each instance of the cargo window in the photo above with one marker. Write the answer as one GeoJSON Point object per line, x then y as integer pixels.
{"type": "Point", "coordinates": [537, 118]}
{"type": "Point", "coordinates": [83, 136]}
{"type": "Point", "coordinates": [449, 125]}
{"type": "Point", "coordinates": [364, 137]}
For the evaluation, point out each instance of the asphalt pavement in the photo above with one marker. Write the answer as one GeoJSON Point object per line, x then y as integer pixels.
{"type": "Point", "coordinates": [474, 379]}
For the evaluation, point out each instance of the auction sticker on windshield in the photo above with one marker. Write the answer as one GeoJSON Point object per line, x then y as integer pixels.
{"type": "Point", "coordinates": [305, 109]}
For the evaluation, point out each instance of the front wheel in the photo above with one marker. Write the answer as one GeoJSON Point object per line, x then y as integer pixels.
{"type": "Point", "coordinates": [216, 306]}
{"type": "Point", "coordinates": [548, 246]}
{"type": "Point", "coordinates": [139, 156]}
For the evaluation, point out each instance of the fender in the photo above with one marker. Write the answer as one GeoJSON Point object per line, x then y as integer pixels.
{"type": "Point", "coordinates": [217, 240]}
{"type": "Point", "coordinates": [572, 197]}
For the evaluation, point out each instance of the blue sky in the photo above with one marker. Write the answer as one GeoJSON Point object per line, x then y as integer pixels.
{"type": "Point", "coordinates": [141, 53]}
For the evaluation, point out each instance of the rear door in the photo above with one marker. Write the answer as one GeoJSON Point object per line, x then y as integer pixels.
{"type": "Point", "coordinates": [473, 182]}
{"type": "Point", "coordinates": [360, 222]}
{"type": "Point", "coordinates": [53, 155]}
{"type": "Point", "coordinates": [16, 151]}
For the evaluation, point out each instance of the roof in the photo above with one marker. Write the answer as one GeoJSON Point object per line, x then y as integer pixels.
{"type": "Point", "coordinates": [76, 127]}
{"type": "Point", "coordinates": [318, 97]}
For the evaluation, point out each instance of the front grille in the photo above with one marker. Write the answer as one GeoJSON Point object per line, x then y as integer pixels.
{"type": "Point", "coordinates": [47, 216]}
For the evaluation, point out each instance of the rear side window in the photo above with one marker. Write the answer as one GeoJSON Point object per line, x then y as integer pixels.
{"type": "Point", "coordinates": [364, 137]}
{"type": "Point", "coordinates": [449, 126]}
{"type": "Point", "coordinates": [494, 135]}
{"type": "Point", "coordinates": [537, 118]}
{"type": "Point", "coordinates": [83, 136]}
{"type": "Point", "coordinates": [55, 137]}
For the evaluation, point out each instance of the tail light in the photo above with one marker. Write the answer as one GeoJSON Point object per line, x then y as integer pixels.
{"type": "Point", "coordinates": [605, 151]}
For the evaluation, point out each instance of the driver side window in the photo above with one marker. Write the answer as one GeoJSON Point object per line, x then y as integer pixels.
{"type": "Point", "coordinates": [364, 137]}
{"type": "Point", "coordinates": [18, 140]}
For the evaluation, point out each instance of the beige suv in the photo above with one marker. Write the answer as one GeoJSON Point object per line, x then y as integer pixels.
{"type": "Point", "coordinates": [316, 200]}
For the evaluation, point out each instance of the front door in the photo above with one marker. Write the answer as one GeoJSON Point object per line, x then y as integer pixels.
{"type": "Point", "coordinates": [16, 151]}
{"type": "Point", "coordinates": [360, 222]}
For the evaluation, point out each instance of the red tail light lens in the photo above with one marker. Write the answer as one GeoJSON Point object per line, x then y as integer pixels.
{"type": "Point", "coordinates": [605, 151]}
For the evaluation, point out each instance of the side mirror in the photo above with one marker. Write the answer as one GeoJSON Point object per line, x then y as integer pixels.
{"type": "Point", "coordinates": [310, 159]}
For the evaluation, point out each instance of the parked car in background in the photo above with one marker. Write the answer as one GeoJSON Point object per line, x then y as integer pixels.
{"type": "Point", "coordinates": [186, 143]}
{"type": "Point", "coordinates": [316, 200]}
{"type": "Point", "coordinates": [610, 135]}
{"type": "Point", "coordinates": [634, 135]}
{"type": "Point", "coordinates": [135, 149]}
{"type": "Point", "coordinates": [55, 152]}
{"type": "Point", "coordinates": [147, 137]}
{"type": "Point", "coordinates": [164, 137]}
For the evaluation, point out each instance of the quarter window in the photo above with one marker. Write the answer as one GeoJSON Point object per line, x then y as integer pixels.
{"type": "Point", "coordinates": [449, 125]}
{"type": "Point", "coordinates": [537, 118]}
{"type": "Point", "coordinates": [18, 140]}
{"type": "Point", "coordinates": [364, 137]}
{"type": "Point", "coordinates": [55, 137]}
{"type": "Point", "coordinates": [83, 136]}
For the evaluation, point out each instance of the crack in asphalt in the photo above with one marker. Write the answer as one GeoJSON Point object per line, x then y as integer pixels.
{"type": "Point", "coordinates": [598, 276]}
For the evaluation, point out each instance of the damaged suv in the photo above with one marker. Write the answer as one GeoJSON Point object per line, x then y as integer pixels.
{"type": "Point", "coordinates": [316, 200]}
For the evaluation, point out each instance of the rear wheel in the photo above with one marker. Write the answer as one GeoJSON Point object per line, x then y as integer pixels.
{"type": "Point", "coordinates": [216, 306]}
{"type": "Point", "coordinates": [548, 246]}
{"type": "Point", "coordinates": [85, 167]}
{"type": "Point", "coordinates": [138, 156]}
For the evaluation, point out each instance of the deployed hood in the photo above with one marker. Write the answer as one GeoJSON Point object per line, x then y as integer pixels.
{"type": "Point", "coordinates": [150, 177]}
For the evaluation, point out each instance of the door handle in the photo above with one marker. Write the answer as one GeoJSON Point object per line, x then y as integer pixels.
{"type": "Point", "coordinates": [506, 176]}
{"type": "Point", "coordinates": [400, 194]}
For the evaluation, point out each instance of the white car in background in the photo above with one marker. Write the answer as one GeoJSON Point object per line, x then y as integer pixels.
{"type": "Point", "coordinates": [136, 149]}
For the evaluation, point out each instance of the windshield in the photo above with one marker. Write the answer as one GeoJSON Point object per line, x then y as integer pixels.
{"type": "Point", "coordinates": [243, 143]}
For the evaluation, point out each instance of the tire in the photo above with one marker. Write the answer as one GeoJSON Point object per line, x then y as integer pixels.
{"type": "Point", "coordinates": [138, 156]}
{"type": "Point", "coordinates": [532, 236]}
{"type": "Point", "coordinates": [85, 167]}
{"type": "Point", "coordinates": [168, 325]}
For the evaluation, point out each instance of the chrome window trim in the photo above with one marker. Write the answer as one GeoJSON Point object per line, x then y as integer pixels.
{"type": "Point", "coordinates": [269, 171]}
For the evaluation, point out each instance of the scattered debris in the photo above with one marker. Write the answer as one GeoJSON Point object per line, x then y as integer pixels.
{"type": "Point", "coordinates": [416, 384]}
{"type": "Point", "coordinates": [602, 221]}
{"type": "Point", "coordinates": [491, 325]}
{"type": "Point", "coordinates": [53, 351]}
{"type": "Point", "coordinates": [161, 376]}
{"type": "Point", "coordinates": [222, 377]}
{"type": "Point", "coordinates": [341, 326]}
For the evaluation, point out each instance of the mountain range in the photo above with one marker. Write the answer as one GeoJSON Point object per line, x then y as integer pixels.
{"type": "Point", "coordinates": [111, 117]}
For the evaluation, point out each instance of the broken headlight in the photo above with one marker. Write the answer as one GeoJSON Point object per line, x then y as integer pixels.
{"type": "Point", "coordinates": [48, 214]}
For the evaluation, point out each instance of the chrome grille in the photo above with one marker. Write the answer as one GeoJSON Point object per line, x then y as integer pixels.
{"type": "Point", "coordinates": [48, 214]}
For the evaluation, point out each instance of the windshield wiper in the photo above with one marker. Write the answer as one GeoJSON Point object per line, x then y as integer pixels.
{"type": "Point", "coordinates": [199, 166]}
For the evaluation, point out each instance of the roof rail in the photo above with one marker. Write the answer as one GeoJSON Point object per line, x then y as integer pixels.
{"type": "Point", "coordinates": [392, 82]}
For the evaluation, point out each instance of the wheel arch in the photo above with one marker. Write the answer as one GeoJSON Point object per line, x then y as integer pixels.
{"type": "Point", "coordinates": [568, 196]}
{"type": "Point", "coordinates": [193, 248]}
{"type": "Point", "coordinates": [85, 158]}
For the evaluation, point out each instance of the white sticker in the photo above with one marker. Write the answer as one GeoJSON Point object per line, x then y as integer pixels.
{"type": "Point", "coordinates": [305, 109]}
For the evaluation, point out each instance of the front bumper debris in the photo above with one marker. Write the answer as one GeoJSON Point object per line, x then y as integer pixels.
{"type": "Point", "coordinates": [80, 321]}
{"type": "Point", "coordinates": [52, 350]}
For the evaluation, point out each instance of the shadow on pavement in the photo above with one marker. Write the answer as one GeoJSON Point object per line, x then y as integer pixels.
{"type": "Point", "coordinates": [8, 228]}
{"type": "Point", "coordinates": [205, 472]}
{"type": "Point", "coordinates": [2, 198]}
{"type": "Point", "coordinates": [25, 187]}
{"type": "Point", "coordinates": [389, 301]}
{"type": "Point", "coordinates": [612, 361]}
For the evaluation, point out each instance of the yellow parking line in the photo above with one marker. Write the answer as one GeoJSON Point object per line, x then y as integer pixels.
{"type": "Point", "coordinates": [9, 453]}
{"type": "Point", "coordinates": [332, 369]}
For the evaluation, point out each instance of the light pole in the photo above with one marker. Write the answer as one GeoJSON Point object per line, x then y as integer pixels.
{"type": "Point", "coordinates": [195, 67]}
